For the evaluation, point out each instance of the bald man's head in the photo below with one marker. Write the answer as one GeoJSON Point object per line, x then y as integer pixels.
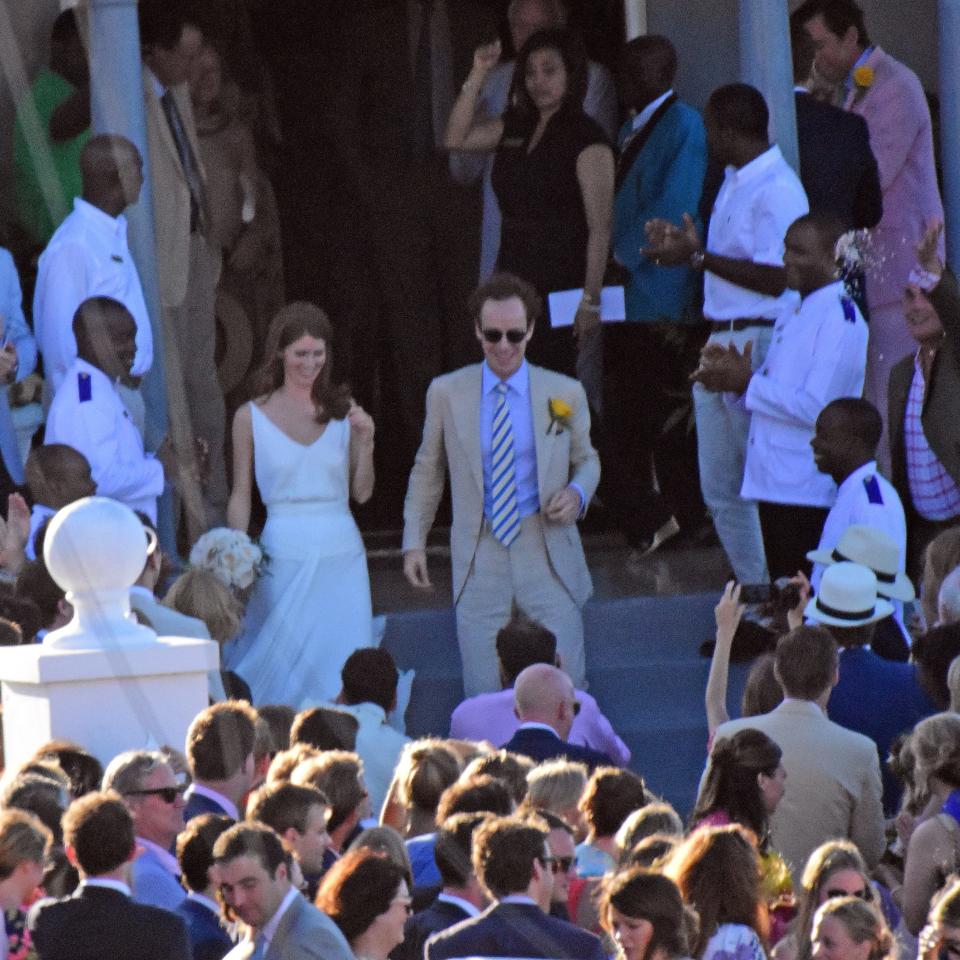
{"type": "Point", "coordinates": [57, 475]}
{"type": "Point", "coordinates": [112, 171]}
{"type": "Point", "coordinates": [545, 694]}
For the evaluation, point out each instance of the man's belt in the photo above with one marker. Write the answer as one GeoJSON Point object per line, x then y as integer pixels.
{"type": "Point", "coordinates": [741, 323]}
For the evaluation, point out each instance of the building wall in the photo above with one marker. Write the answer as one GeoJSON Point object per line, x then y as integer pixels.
{"type": "Point", "coordinates": [705, 33]}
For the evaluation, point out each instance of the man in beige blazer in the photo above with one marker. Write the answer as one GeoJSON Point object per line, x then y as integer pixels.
{"type": "Point", "coordinates": [833, 787]}
{"type": "Point", "coordinates": [517, 493]}
{"type": "Point", "coordinates": [188, 263]}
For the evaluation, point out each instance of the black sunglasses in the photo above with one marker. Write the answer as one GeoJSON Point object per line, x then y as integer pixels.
{"type": "Point", "coordinates": [495, 336]}
{"type": "Point", "coordinates": [562, 864]}
{"type": "Point", "coordinates": [865, 894]}
{"type": "Point", "coordinates": [167, 794]}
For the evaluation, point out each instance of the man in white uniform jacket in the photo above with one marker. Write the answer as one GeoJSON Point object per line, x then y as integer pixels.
{"type": "Point", "coordinates": [818, 353]}
{"type": "Point", "coordinates": [88, 414]}
{"type": "Point", "coordinates": [88, 257]}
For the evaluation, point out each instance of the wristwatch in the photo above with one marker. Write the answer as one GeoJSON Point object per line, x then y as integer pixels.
{"type": "Point", "coordinates": [696, 259]}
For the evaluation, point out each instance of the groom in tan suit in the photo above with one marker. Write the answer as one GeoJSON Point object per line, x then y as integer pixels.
{"type": "Point", "coordinates": [516, 441]}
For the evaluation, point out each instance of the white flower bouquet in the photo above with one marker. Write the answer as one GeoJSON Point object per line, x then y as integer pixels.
{"type": "Point", "coordinates": [231, 556]}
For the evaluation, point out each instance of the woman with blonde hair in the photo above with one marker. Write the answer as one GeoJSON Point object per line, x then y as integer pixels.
{"type": "Point", "coordinates": [425, 769]}
{"type": "Point", "coordinates": [203, 595]}
{"type": "Point", "coordinates": [834, 869]}
{"type": "Point", "coordinates": [652, 819]}
{"type": "Point", "coordinates": [940, 557]}
{"type": "Point", "coordinates": [933, 849]}
{"type": "Point", "coordinates": [557, 786]}
{"type": "Point", "coordinates": [848, 928]}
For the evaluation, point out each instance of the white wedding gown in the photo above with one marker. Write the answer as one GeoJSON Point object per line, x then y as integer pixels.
{"type": "Point", "coordinates": [311, 607]}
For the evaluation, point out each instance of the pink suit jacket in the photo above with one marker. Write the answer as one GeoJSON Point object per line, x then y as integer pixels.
{"type": "Point", "coordinates": [901, 137]}
{"type": "Point", "coordinates": [490, 716]}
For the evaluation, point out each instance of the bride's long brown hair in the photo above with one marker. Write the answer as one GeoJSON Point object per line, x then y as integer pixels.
{"type": "Point", "coordinates": [296, 320]}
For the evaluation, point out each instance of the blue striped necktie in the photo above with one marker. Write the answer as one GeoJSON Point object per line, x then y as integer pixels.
{"type": "Point", "coordinates": [505, 512]}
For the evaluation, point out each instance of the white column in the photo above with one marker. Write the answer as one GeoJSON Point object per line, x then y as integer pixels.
{"type": "Point", "coordinates": [116, 95]}
{"type": "Point", "coordinates": [635, 17]}
{"type": "Point", "coordinates": [949, 40]}
{"type": "Point", "coordinates": [116, 100]}
{"type": "Point", "coordinates": [766, 63]}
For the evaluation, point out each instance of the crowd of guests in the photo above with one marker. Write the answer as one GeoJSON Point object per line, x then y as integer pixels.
{"type": "Point", "coordinates": [318, 834]}
{"type": "Point", "coordinates": [827, 822]}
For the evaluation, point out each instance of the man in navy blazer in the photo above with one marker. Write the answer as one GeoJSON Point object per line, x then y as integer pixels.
{"type": "Point", "coordinates": [513, 862]}
{"type": "Point", "coordinates": [220, 756]}
{"type": "Point", "coordinates": [461, 896]}
{"type": "Point", "coordinates": [200, 911]}
{"type": "Point", "coordinates": [838, 169]}
{"type": "Point", "coordinates": [545, 703]}
{"type": "Point", "coordinates": [101, 919]}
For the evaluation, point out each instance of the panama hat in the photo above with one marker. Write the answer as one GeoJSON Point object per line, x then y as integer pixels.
{"type": "Point", "coordinates": [847, 597]}
{"type": "Point", "coordinates": [874, 549]}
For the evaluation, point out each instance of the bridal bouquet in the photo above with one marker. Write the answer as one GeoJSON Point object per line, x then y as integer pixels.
{"type": "Point", "coordinates": [230, 555]}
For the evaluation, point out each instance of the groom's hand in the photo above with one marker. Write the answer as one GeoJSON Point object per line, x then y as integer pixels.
{"type": "Point", "coordinates": [415, 569]}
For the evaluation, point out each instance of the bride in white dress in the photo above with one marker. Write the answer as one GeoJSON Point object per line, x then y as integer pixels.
{"type": "Point", "coordinates": [310, 449]}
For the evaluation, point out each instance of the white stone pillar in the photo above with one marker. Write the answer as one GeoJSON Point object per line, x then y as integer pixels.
{"type": "Point", "coordinates": [103, 680]}
{"type": "Point", "coordinates": [766, 63]}
{"type": "Point", "coordinates": [635, 18]}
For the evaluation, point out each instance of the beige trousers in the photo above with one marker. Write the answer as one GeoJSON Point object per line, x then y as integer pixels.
{"type": "Point", "coordinates": [501, 578]}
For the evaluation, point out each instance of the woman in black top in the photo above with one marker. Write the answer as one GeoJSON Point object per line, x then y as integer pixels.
{"type": "Point", "coordinates": [553, 176]}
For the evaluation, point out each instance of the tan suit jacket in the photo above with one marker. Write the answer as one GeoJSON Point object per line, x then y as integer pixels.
{"type": "Point", "coordinates": [833, 784]}
{"type": "Point", "coordinates": [451, 442]}
{"type": "Point", "coordinates": [171, 194]}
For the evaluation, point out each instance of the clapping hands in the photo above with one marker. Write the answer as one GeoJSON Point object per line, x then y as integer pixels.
{"type": "Point", "coordinates": [725, 368]}
{"type": "Point", "coordinates": [669, 245]}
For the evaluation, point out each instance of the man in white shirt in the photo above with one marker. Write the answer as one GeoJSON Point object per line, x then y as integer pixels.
{"type": "Point", "coordinates": [818, 353]}
{"type": "Point", "coordinates": [744, 292]}
{"type": "Point", "coordinates": [88, 256]}
{"type": "Point", "coordinates": [89, 414]}
{"type": "Point", "coordinates": [255, 884]}
{"type": "Point", "coordinates": [369, 692]}
{"type": "Point", "coordinates": [150, 789]}
{"type": "Point", "coordinates": [848, 431]}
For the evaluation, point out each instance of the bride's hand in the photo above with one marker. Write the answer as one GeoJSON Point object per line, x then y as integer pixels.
{"type": "Point", "coordinates": [361, 424]}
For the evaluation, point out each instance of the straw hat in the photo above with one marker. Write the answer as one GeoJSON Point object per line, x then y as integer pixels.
{"type": "Point", "coordinates": [876, 550]}
{"type": "Point", "coordinates": [847, 597]}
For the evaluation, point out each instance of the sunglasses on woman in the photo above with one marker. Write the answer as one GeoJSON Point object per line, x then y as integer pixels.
{"type": "Point", "coordinates": [495, 336]}
{"type": "Point", "coordinates": [865, 894]}
{"type": "Point", "coordinates": [167, 794]}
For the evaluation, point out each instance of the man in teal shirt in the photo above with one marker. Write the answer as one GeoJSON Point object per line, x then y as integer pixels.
{"type": "Point", "coordinates": [649, 454]}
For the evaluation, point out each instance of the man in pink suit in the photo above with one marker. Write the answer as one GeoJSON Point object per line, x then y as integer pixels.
{"type": "Point", "coordinates": [888, 95]}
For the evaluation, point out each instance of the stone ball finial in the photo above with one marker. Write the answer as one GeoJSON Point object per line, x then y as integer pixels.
{"type": "Point", "coordinates": [95, 544]}
{"type": "Point", "coordinates": [95, 549]}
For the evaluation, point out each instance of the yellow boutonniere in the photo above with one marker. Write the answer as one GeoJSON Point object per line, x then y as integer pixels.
{"type": "Point", "coordinates": [863, 77]}
{"type": "Point", "coordinates": [560, 413]}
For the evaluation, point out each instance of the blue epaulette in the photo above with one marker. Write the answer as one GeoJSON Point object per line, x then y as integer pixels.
{"type": "Point", "coordinates": [874, 494]}
{"type": "Point", "coordinates": [849, 309]}
{"type": "Point", "coordinates": [84, 387]}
